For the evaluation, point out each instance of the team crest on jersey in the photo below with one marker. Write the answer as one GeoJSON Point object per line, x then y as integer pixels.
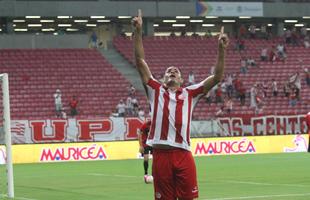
{"type": "Point", "coordinates": [181, 97]}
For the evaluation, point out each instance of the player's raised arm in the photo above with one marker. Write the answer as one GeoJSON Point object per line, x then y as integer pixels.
{"type": "Point", "coordinates": [220, 64]}
{"type": "Point", "coordinates": [142, 67]}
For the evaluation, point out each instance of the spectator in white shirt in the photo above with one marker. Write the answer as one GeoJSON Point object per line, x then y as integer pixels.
{"type": "Point", "coordinates": [129, 106]}
{"type": "Point", "coordinates": [253, 96]}
{"type": "Point", "coordinates": [297, 83]}
{"type": "Point", "coordinates": [274, 87]}
{"type": "Point", "coordinates": [135, 106]}
{"type": "Point", "coordinates": [131, 90]}
{"type": "Point", "coordinates": [121, 108]}
{"type": "Point", "coordinates": [58, 103]}
{"type": "Point", "coordinates": [303, 31]}
{"type": "Point", "coordinates": [252, 31]}
{"type": "Point", "coordinates": [264, 54]}
{"type": "Point", "coordinates": [306, 42]}
{"type": "Point", "coordinates": [251, 62]}
{"type": "Point", "coordinates": [281, 51]}
{"type": "Point", "coordinates": [263, 30]}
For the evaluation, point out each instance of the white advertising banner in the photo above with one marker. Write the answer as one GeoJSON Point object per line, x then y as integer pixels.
{"type": "Point", "coordinates": [229, 9]}
{"type": "Point", "coordinates": [263, 125]}
{"type": "Point", "coordinates": [119, 129]}
{"type": "Point", "coordinates": [74, 130]}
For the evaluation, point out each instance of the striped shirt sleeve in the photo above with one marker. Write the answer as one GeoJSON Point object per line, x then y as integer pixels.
{"type": "Point", "coordinates": [152, 85]}
{"type": "Point", "coordinates": [196, 91]}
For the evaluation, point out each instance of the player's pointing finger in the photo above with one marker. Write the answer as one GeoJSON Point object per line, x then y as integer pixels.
{"type": "Point", "coordinates": [222, 30]}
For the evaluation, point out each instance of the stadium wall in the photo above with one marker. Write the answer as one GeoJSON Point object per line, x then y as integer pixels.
{"type": "Point", "coordinates": [100, 7]}
{"type": "Point", "coordinates": [285, 10]}
{"type": "Point", "coordinates": [15, 8]}
{"type": "Point", "coordinates": [40, 153]}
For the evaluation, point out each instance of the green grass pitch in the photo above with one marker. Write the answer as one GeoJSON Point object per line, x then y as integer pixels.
{"type": "Point", "coordinates": [264, 176]}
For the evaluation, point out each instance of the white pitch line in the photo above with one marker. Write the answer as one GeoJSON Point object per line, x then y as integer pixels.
{"type": "Point", "coordinates": [112, 175]}
{"type": "Point", "coordinates": [261, 196]}
{"type": "Point", "coordinates": [21, 198]}
{"type": "Point", "coordinates": [24, 198]}
{"type": "Point", "coordinates": [269, 184]}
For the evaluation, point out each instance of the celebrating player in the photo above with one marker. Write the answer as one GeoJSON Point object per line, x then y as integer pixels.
{"type": "Point", "coordinates": [145, 149]}
{"type": "Point", "coordinates": [174, 169]}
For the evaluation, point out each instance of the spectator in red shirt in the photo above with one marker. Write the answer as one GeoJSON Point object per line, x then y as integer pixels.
{"type": "Point", "coordinates": [272, 54]}
{"type": "Point", "coordinates": [73, 106]}
{"type": "Point", "coordinates": [218, 94]}
{"type": "Point", "coordinates": [242, 94]}
{"type": "Point", "coordinates": [228, 105]}
{"type": "Point", "coordinates": [237, 83]}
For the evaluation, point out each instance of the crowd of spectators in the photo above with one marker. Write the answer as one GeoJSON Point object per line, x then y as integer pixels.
{"type": "Point", "coordinates": [232, 87]}
{"type": "Point", "coordinates": [259, 93]}
{"type": "Point", "coordinates": [130, 107]}
{"type": "Point", "coordinates": [295, 37]}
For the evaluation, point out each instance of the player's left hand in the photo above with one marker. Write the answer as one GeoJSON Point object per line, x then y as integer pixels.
{"type": "Point", "coordinates": [223, 40]}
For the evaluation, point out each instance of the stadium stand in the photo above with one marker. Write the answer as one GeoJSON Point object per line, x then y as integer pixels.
{"type": "Point", "coordinates": [36, 74]}
{"type": "Point", "coordinates": [199, 54]}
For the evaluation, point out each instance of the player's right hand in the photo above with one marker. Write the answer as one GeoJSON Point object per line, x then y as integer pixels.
{"type": "Point", "coordinates": [137, 21]}
{"type": "Point", "coordinates": [223, 39]}
{"type": "Point", "coordinates": [141, 149]}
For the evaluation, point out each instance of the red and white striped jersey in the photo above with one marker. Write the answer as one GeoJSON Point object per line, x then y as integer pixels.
{"type": "Point", "coordinates": [308, 122]}
{"type": "Point", "coordinates": [171, 113]}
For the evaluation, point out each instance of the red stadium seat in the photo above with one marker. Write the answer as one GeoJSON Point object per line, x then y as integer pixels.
{"type": "Point", "coordinates": [199, 55]}
{"type": "Point", "coordinates": [81, 72]}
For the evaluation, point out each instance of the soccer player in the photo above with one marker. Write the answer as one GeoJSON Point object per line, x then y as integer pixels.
{"type": "Point", "coordinates": [174, 169]}
{"type": "Point", "coordinates": [145, 149]}
{"type": "Point", "coordinates": [308, 124]}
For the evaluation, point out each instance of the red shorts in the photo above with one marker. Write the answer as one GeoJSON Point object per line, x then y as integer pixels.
{"type": "Point", "coordinates": [174, 173]}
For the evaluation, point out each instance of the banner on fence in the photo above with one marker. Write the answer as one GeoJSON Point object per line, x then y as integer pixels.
{"type": "Point", "coordinates": [91, 151]}
{"type": "Point", "coordinates": [120, 129]}
{"type": "Point", "coordinates": [263, 125]}
{"type": "Point", "coordinates": [250, 145]}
